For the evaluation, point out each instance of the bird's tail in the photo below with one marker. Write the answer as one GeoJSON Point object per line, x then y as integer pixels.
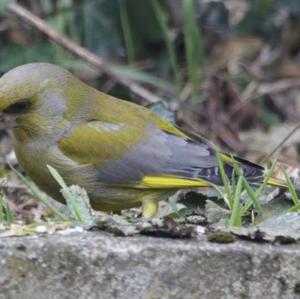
{"type": "Point", "coordinates": [255, 173]}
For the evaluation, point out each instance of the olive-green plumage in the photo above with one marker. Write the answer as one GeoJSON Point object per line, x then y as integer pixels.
{"type": "Point", "coordinates": [123, 154]}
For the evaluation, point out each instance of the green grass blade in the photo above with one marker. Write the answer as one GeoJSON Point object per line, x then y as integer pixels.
{"type": "Point", "coordinates": [235, 217]}
{"type": "Point", "coordinates": [233, 180]}
{"type": "Point", "coordinates": [67, 193]}
{"type": "Point", "coordinates": [236, 166]}
{"type": "Point", "coordinates": [162, 18]}
{"type": "Point", "coordinates": [252, 196]}
{"type": "Point", "coordinates": [265, 182]}
{"type": "Point", "coordinates": [6, 214]}
{"type": "Point", "coordinates": [222, 194]}
{"type": "Point", "coordinates": [38, 194]}
{"type": "Point", "coordinates": [295, 208]}
{"type": "Point", "coordinates": [193, 45]}
{"type": "Point", "coordinates": [1, 208]}
{"type": "Point", "coordinates": [126, 31]}
{"type": "Point", "coordinates": [292, 189]}
{"type": "Point", "coordinates": [224, 178]}
{"type": "Point", "coordinates": [246, 207]}
{"type": "Point", "coordinates": [9, 215]}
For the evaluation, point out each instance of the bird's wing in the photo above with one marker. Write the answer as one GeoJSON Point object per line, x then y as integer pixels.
{"type": "Point", "coordinates": [146, 156]}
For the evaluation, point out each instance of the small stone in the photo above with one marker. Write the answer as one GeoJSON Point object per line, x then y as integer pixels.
{"type": "Point", "coordinates": [11, 157]}
{"type": "Point", "coordinates": [76, 229]}
{"type": "Point", "coordinates": [196, 219]}
{"type": "Point", "coordinates": [41, 229]}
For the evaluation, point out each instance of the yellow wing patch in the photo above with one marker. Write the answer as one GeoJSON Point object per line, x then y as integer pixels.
{"type": "Point", "coordinates": [99, 142]}
{"type": "Point", "coordinates": [165, 182]}
{"type": "Point", "coordinates": [167, 127]}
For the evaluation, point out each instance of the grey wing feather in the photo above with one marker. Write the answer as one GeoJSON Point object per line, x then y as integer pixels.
{"type": "Point", "coordinates": [161, 153]}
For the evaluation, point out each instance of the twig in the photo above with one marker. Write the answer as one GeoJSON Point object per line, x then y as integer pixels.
{"type": "Point", "coordinates": [265, 158]}
{"type": "Point", "coordinates": [264, 89]}
{"type": "Point", "coordinates": [279, 86]}
{"type": "Point", "coordinates": [79, 51]}
{"type": "Point", "coordinates": [185, 93]}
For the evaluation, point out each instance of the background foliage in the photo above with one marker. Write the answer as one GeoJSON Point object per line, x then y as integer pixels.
{"type": "Point", "coordinates": [228, 70]}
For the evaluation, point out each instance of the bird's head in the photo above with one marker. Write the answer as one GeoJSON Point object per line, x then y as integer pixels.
{"type": "Point", "coordinates": [25, 87]}
{"type": "Point", "coordinates": [39, 95]}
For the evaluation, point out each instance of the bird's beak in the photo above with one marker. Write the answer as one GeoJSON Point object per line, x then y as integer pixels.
{"type": "Point", "coordinates": [7, 121]}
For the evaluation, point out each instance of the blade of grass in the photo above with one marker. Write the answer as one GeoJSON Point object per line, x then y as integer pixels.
{"type": "Point", "coordinates": [8, 213]}
{"type": "Point", "coordinates": [126, 31]}
{"type": "Point", "coordinates": [292, 189]}
{"type": "Point", "coordinates": [253, 197]}
{"type": "Point", "coordinates": [266, 178]}
{"type": "Point", "coordinates": [295, 208]}
{"type": "Point", "coordinates": [193, 45]}
{"type": "Point", "coordinates": [224, 178]}
{"type": "Point", "coordinates": [235, 217]}
{"type": "Point", "coordinates": [222, 195]}
{"type": "Point", "coordinates": [236, 166]}
{"type": "Point", "coordinates": [67, 192]}
{"type": "Point", "coordinates": [246, 206]}
{"type": "Point", "coordinates": [1, 208]}
{"type": "Point", "coordinates": [233, 180]}
{"type": "Point", "coordinates": [38, 194]}
{"type": "Point", "coordinates": [161, 16]}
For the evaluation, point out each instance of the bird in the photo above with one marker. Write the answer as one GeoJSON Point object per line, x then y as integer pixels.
{"type": "Point", "coordinates": [123, 154]}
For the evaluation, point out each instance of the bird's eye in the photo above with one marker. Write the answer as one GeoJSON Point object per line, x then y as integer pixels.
{"type": "Point", "coordinates": [19, 107]}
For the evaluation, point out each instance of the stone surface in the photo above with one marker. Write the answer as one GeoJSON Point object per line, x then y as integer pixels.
{"type": "Point", "coordinates": [98, 265]}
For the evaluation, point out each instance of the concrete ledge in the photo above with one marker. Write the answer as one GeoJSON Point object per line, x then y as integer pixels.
{"type": "Point", "coordinates": [98, 265]}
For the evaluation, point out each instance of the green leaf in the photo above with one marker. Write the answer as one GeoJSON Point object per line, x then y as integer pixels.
{"type": "Point", "coordinates": [82, 206]}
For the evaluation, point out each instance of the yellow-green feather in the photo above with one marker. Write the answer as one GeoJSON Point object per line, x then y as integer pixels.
{"type": "Point", "coordinates": [89, 144]}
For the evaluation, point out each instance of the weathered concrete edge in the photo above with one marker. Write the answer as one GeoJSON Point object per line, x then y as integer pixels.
{"type": "Point", "coordinates": [99, 265]}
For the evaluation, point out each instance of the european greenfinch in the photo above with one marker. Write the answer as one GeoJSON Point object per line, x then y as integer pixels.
{"type": "Point", "coordinates": [122, 154]}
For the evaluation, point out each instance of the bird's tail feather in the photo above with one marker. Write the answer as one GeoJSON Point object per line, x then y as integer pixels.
{"type": "Point", "coordinates": [256, 174]}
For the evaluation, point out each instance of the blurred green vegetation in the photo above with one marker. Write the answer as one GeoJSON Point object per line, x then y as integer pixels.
{"type": "Point", "coordinates": [172, 47]}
